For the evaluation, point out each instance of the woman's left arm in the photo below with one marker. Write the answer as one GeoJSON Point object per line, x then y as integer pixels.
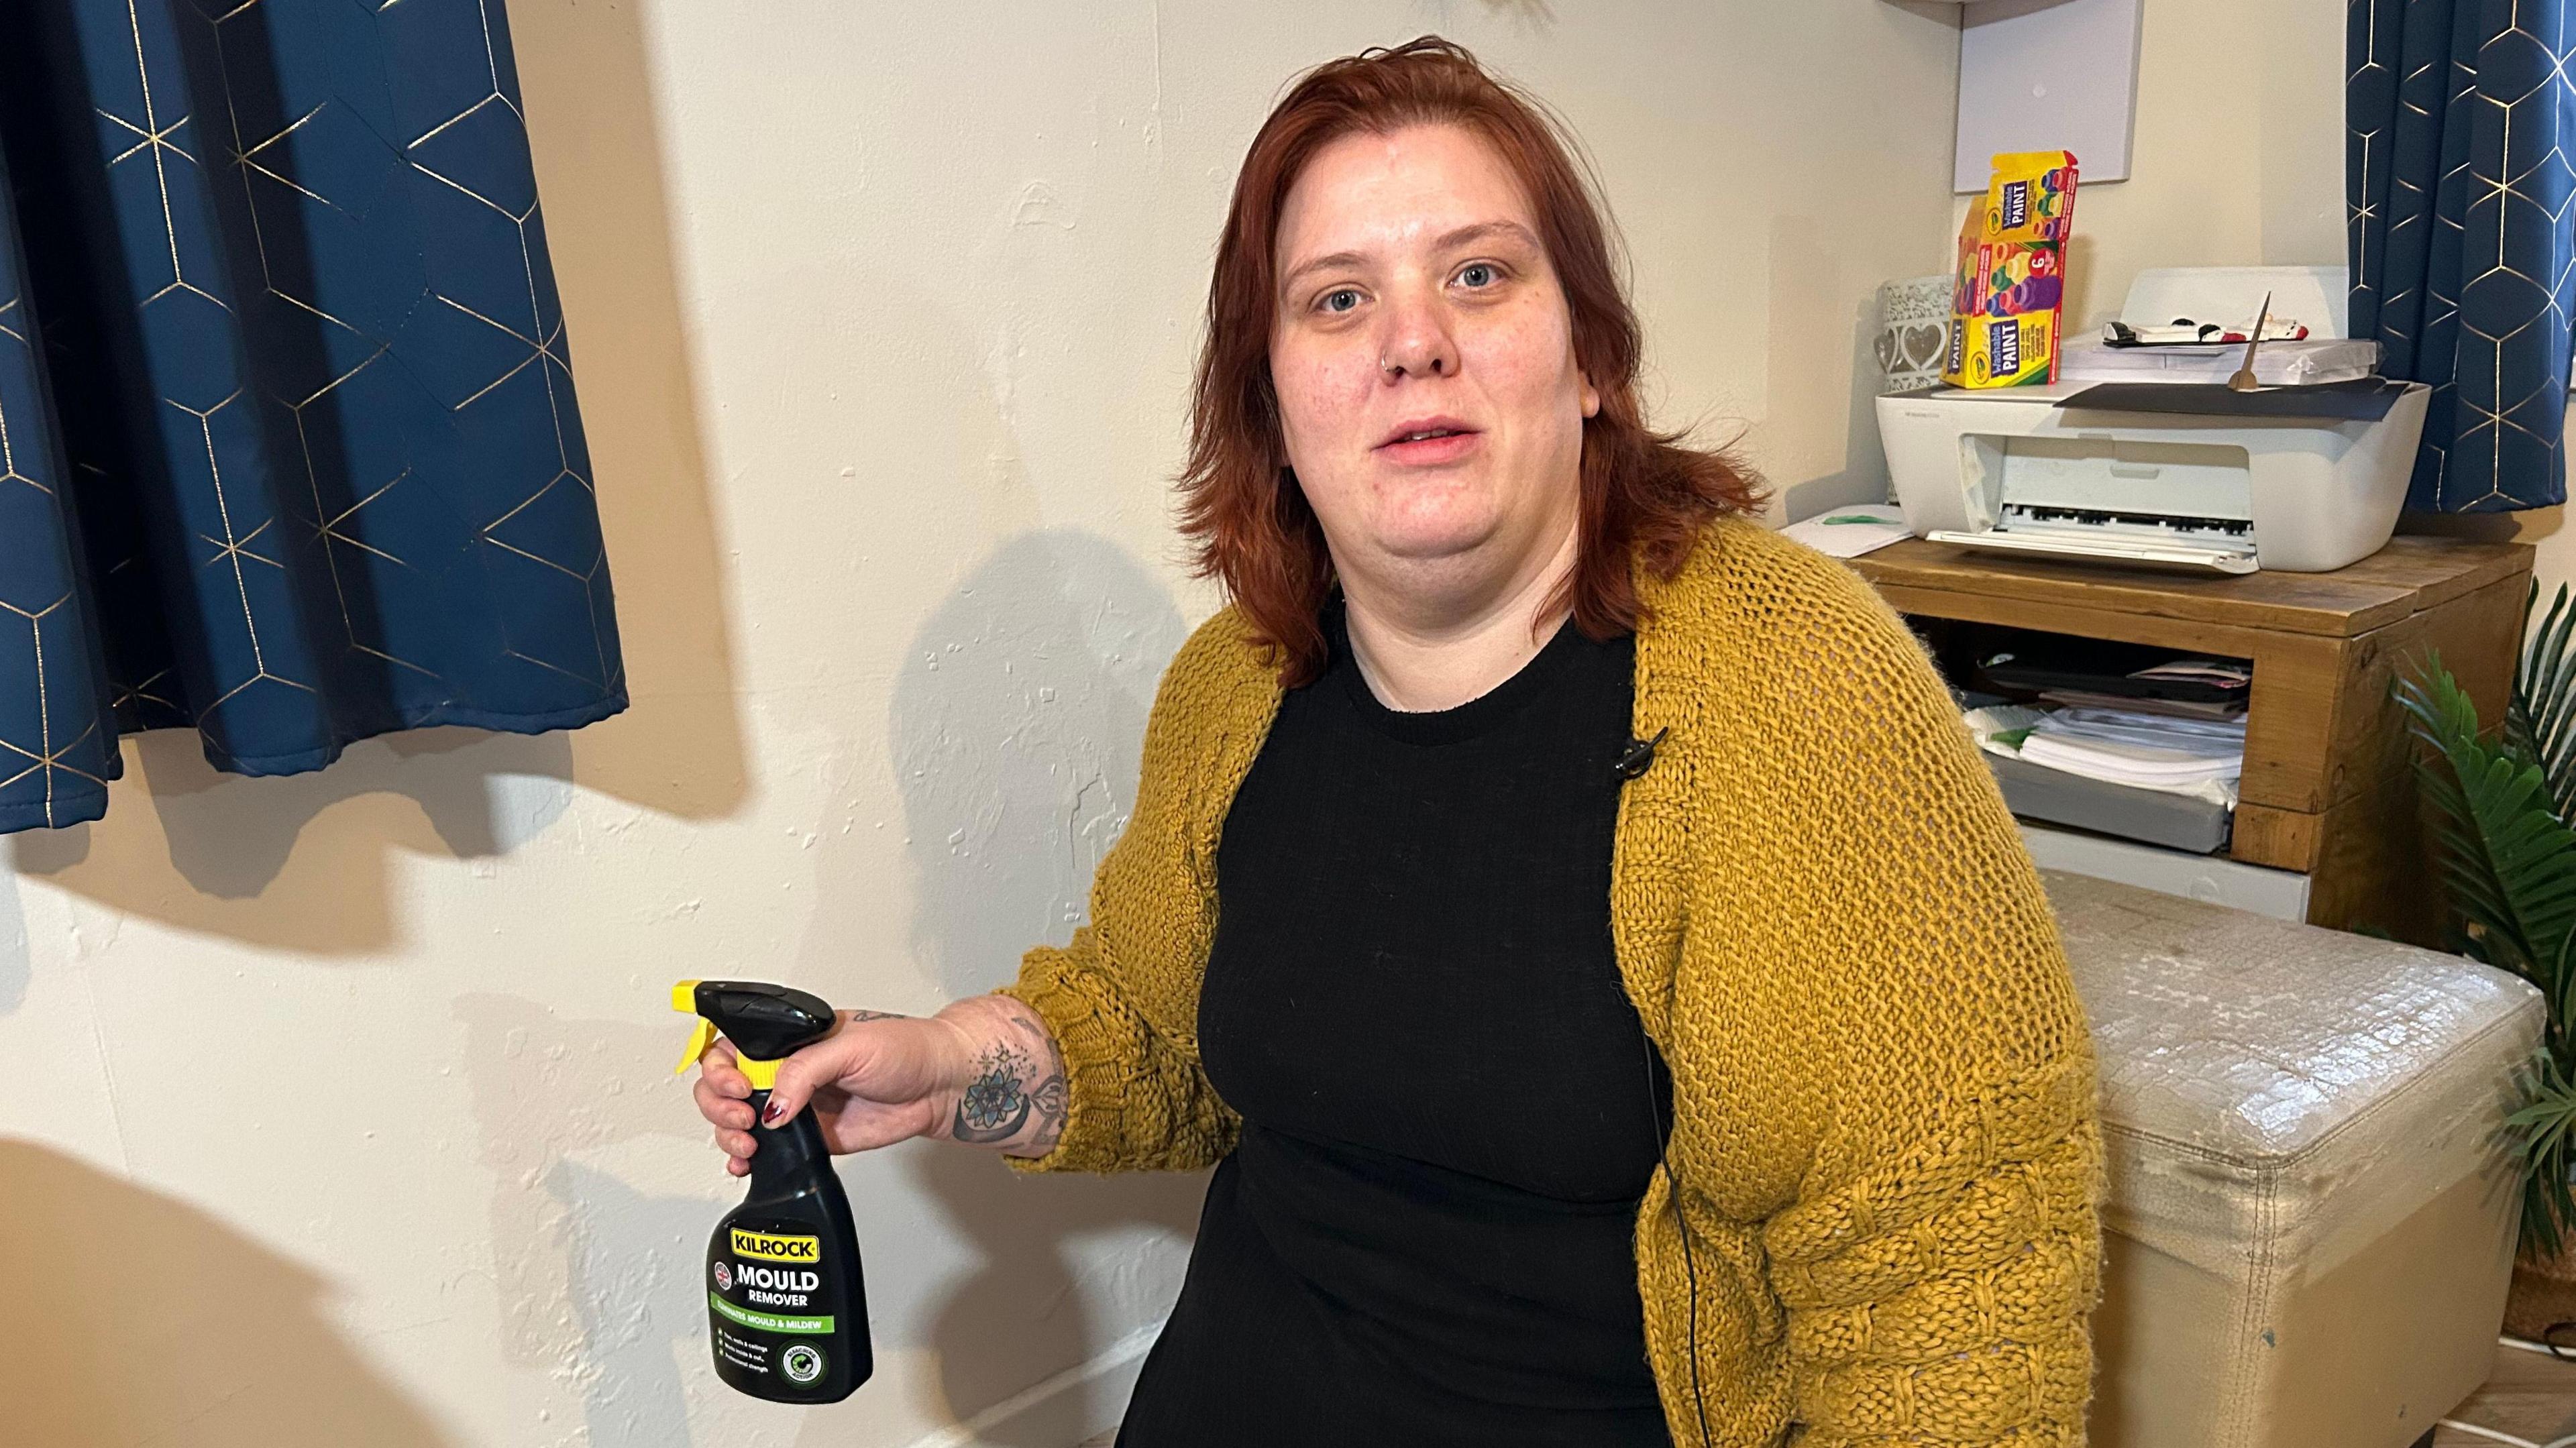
{"type": "Point", "coordinates": [1942, 1295]}
{"type": "Point", "coordinates": [1940, 1260]}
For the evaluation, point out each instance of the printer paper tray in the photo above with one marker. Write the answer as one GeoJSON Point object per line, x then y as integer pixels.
{"type": "Point", "coordinates": [2125, 552]}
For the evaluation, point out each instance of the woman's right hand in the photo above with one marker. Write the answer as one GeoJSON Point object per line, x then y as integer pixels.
{"type": "Point", "coordinates": [985, 1070]}
{"type": "Point", "coordinates": [873, 1082]}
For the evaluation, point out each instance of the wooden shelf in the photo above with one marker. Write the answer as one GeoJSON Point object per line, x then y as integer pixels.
{"type": "Point", "coordinates": [2328, 788]}
{"type": "Point", "coordinates": [2406, 577]}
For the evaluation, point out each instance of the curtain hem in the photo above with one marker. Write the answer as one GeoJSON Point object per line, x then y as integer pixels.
{"type": "Point", "coordinates": [305, 761]}
{"type": "Point", "coordinates": [76, 809]}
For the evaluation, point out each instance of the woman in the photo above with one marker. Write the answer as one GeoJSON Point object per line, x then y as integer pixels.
{"type": "Point", "coordinates": [1569, 917]}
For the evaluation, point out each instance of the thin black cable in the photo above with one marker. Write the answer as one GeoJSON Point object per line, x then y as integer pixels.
{"type": "Point", "coordinates": [1673, 1190]}
{"type": "Point", "coordinates": [1633, 761]}
{"type": "Point", "coordinates": [2557, 1349]}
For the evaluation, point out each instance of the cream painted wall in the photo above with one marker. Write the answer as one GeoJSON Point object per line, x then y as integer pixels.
{"type": "Point", "coordinates": [339, 1108]}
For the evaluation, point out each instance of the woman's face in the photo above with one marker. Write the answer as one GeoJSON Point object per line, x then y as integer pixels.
{"type": "Point", "coordinates": [1414, 296]}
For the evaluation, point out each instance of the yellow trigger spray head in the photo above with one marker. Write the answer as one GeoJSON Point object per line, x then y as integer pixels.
{"type": "Point", "coordinates": [684, 999]}
{"type": "Point", "coordinates": [766, 1023]}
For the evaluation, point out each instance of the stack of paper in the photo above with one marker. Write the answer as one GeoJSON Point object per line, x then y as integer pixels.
{"type": "Point", "coordinates": [2150, 751]}
{"type": "Point", "coordinates": [2199, 757]}
{"type": "Point", "coordinates": [2276, 364]}
{"type": "Point", "coordinates": [2178, 708]}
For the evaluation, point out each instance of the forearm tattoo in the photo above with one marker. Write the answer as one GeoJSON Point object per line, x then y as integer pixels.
{"type": "Point", "coordinates": [1049, 1100]}
{"type": "Point", "coordinates": [1047, 1097]}
{"type": "Point", "coordinates": [1017, 1096]}
{"type": "Point", "coordinates": [996, 1104]}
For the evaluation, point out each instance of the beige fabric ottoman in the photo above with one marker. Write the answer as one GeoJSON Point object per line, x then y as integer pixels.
{"type": "Point", "coordinates": [2311, 1221]}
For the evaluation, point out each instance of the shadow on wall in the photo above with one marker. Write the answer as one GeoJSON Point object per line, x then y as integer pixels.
{"type": "Point", "coordinates": [1801, 365]}
{"type": "Point", "coordinates": [226, 859]}
{"type": "Point", "coordinates": [1022, 1317]}
{"type": "Point", "coordinates": [291, 863]}
{"type": "Point", "coordinates": [595, 1277]}
{"type": "Point", "coordinates": [1015, 729]}
{"type": "Point", "coordinates": [632, 1267]}
{"type": "Point", "coordinates": [136, 1318]}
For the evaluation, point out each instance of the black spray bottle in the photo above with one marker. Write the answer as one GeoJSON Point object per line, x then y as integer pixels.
{"type": "Point", "coordinates": [786, 1307]}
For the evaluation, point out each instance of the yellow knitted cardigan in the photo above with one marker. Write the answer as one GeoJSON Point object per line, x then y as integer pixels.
{"type": "Point", "coordinates": [1884, 1135]}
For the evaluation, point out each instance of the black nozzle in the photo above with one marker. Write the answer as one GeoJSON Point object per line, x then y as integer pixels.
{"type": "Point", "coordinates": [765, 1022]}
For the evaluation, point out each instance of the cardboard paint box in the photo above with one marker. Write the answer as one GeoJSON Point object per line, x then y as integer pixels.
{"type": "Point", "coordinates": [2007, 308]}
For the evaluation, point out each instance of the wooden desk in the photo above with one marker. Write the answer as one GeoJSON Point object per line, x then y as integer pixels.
{"type": "Point", "coordinates": [2328, 788]}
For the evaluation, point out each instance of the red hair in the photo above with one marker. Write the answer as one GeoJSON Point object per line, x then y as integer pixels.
{"type": "Point", "coordinates": [1644, 495]}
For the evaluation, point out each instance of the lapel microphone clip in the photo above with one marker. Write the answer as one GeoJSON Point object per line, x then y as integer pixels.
{"type": "Point", "coordinates": [1639, 756]}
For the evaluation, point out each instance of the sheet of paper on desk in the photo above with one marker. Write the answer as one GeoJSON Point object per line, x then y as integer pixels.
{"type": "Point", "coordinates": [1853, 531]}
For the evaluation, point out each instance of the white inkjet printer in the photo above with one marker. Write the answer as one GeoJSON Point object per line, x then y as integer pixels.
{"type": "Point", "coordinates": [2115, 463]}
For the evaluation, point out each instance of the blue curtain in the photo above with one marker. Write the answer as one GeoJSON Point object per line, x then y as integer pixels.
{"type": "Point", "coordinates": [288, 446]}
{"type": "Point", "coordinates": [2459, 120]}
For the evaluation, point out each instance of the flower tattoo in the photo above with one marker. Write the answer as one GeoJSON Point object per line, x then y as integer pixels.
{"type": "Point", "coordinates": [996, 1104]}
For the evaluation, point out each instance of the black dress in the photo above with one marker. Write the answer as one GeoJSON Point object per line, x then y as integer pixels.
{"type": "Point", "coordinates": [1450, 1108]}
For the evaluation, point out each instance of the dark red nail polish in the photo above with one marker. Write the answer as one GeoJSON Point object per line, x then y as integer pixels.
{"type": "Point", "coordinates": [770, 1113]}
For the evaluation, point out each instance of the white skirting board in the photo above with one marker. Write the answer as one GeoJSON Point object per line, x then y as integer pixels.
{"type": "Point", "coordinates": [2280, 894]}
{"type": "Point", "coordinates": [1087, 1398]}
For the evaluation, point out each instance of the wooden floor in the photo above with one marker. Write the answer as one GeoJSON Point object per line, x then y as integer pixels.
{"type": "Point", "coordinates": [2530, 1396]}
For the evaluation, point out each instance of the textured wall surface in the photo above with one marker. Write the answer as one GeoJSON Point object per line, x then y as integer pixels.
{"type": "Point", "coordinates": [338, 1109]}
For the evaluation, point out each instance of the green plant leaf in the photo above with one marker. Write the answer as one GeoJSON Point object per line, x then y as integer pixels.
{"type": "Point", "coordinates": [2540, 1134]}
{"type": "Point", "coordinates": [2541, 725]}
{"type": "Point", "coordinates": [2509, 863]}
{"type": "Point", "coordinates": [2499, 808]}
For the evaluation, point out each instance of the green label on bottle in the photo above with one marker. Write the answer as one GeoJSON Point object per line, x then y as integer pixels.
{"type": "Point", "coordinates": [765, 1321]}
